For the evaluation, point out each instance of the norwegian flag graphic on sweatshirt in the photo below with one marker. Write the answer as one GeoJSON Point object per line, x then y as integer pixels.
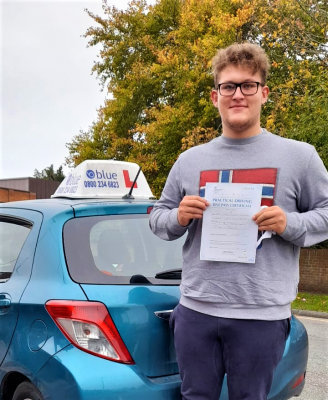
{"type": "Point", "coordinates": [263, 176]}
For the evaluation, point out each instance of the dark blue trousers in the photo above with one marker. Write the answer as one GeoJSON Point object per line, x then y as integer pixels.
{"type": "Point", "coordinates": [207, 347]}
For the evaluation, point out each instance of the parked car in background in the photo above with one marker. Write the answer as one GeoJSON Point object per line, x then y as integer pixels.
{"type": "Point", "coordinates": [86, 292]}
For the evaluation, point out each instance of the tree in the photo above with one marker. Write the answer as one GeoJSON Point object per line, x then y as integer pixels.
{"type": "Point", "coordinates": [50, 174]}
{"type": "Point", "coordinates": [156, 64]}
{"type": "Point", "coordinates": [295, 35]}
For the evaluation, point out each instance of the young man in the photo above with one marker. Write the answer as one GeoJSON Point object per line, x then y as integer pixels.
{"type": "Point", "coordinates": [234, 317]}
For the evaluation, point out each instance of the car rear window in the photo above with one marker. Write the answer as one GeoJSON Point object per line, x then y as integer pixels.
{"type": "Point", "coordinates": [113, 249]}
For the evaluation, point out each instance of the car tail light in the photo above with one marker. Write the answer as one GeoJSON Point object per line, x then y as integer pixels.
{"type": "Point", "coordinates": [149, 209]}
{"type": "Point", "coordinates": [299, 381]}
{"type": "Point", "coordinates": [89, 327]}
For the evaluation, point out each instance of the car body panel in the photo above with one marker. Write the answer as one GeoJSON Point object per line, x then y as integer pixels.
{"type": "Point", "coordinates": [40, 352]}
{"type": "Point", "coordinates": [14, 287]}
{"type": "Point", "coordinates": [49, 279]}
{"type": "Point", "coordinates": [293, 363]}
{"type": "Point", "coordinates": [132, 309]}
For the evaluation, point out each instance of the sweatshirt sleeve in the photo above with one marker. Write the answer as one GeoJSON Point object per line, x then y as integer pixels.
{"type": "Point", "coordinates": [310, 225]}
{"type": "Point", "coordinates": [164, 216]}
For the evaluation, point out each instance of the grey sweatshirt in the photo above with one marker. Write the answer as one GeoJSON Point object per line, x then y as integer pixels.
{"type": "Point", "coordinates": [293, 177]}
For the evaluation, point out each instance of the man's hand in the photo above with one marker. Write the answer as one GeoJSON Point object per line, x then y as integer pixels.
{"type": "Point", "coordinates": [271, 219]}
{"type": "Point", "coordinates": [191, 207]}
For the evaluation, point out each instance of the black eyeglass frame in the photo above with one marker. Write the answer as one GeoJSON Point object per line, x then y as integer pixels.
{"type": "Point", "coordinates": [238, 85]}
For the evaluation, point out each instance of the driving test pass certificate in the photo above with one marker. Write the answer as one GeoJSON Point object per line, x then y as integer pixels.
{"type": "Point", "coordinates": [228, 232]}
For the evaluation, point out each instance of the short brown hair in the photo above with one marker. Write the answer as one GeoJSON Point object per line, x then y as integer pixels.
{"type": "Point", "coordinates": [245, 55]}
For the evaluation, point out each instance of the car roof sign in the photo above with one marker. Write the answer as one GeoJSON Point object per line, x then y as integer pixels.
{"type": "Point", "coordinates": [104, 179]}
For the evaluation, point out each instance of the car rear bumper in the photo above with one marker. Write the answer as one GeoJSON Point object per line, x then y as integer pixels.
{"type": "Point", "coordinates": [74, 374]}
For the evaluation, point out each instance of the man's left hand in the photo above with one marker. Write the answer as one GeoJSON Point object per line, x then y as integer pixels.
{"type": "Point", "coordinates": [271, 219]}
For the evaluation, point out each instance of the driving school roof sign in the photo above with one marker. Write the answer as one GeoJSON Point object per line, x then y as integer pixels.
{"type": "Point", "coordinates": [104, 179]}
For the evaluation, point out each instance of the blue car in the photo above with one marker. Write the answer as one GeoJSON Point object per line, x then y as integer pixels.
{"type": "Point", "coordinates": [86, 293]}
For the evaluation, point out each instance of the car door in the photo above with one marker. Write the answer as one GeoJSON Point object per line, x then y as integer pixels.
{"type": "Point", "coordinates": [19, 231]}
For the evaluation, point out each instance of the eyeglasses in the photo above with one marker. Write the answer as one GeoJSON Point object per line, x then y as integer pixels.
{"type": "Point", "coordinates": [247, 88]}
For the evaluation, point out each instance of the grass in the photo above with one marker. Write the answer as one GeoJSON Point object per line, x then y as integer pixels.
{"type": "Point", "coordinates": [311, 302]}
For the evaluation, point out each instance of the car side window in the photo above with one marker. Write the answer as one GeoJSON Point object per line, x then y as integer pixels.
{"type": "Point", "coordinates": [13, 233]}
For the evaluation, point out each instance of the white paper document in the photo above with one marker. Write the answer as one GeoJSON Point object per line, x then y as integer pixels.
{"type": "Point", "coordinates": [229, 233]}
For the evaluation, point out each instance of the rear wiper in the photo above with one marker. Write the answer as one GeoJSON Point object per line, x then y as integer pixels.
{"type": "Point", "coordinates": [139, 279]}
{"type": "Point", "coordinates": [5, 275]}
{"type": "Point", "coordinates": [169, 274]}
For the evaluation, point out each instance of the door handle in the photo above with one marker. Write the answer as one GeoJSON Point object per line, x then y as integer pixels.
{"type": "Point", "coordinates": [5, 301]}
{"type": "Point", "coordinates": [165, 314]}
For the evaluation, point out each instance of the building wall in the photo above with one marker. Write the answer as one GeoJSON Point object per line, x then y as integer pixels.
{"type": "Point", "coordinates": [314, 271]}
{"type": "Point", "coordinates": [42, 187]}
{"type": "Point", "coordinates": [16, 183]}
{"type": "Point", "coordinates": [7, 195]}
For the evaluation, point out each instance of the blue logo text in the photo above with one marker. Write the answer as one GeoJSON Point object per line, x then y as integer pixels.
{"type": "Point", "coordinates": [90, 174]}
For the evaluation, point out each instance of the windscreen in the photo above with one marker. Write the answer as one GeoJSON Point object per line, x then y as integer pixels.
{"type": "Point", "coordinates": [113, 249]}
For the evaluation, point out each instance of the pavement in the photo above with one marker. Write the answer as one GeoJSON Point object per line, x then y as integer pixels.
{"type": "Point", "coordinates": [314, 314]}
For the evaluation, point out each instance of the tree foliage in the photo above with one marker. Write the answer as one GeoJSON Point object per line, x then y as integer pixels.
{"type": "Point", "coordinates": [50, 174]}
{"type": "Point", "coordinates": [156, 64]}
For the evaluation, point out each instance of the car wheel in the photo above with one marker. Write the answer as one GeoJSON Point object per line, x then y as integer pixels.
{"type": "Point", "coordinates": [27, 391]}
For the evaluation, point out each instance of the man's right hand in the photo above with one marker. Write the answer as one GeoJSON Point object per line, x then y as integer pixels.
{"type": "Point", "coordinates": [191, 207]}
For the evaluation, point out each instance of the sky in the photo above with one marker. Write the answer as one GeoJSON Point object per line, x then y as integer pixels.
{"type": "Point", "coordinates": [47, 91]}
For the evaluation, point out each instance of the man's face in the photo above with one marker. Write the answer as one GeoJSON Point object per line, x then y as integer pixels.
{"type": "Point", "coordinates": [240, 114]}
